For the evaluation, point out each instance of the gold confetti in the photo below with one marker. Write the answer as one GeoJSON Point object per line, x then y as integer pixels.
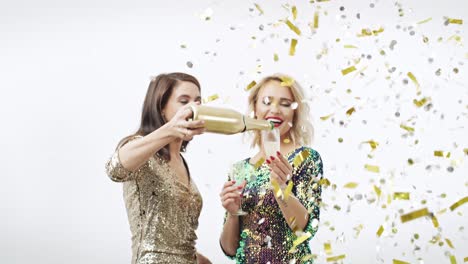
{"type": "Point", "coordinates": [453, 260]}
{"type": "Point", "coordinates": [372, 168]}
{"type": "Point", "coordinates": [407, 128]}
{"type": "Point", "coordinates": [299, 241]}
{"type": "Point", "coordinates": [275, 57]}
{"type": "Point", "coordinates": [351, 185]}
{"type": "Point", "coordinates": [316, 19]}
{"type": "Point", "coordinates": [259, 8]}
{"type": "Point", "coordinates": [465, 259]}
{"type": "Point", "coordinates": [288, 190]}
{"type": "Point", "coordinates": [435, 222]}
{"type": "Point", "coordinates": [422, 102]}
{"type": "Point", "coordinates": [414, 215]}
{"type": "Point", "coordinates": [293, 27]}
{"type": "Point", "coordinates": [251, 84]}
{"type": "Point", "coordinates": [210, 98]}
{"type": "Point", "coordinates": [372, 144]}
{"type": "Point", "coordinates": [294, 12]}
{"type": "Point", "coordinates": [286, 141]}
{"type": "Point", "coordinates": [324, 182]}
{"type": "Point", "coordinates": [455, 21]}
{"type": "Point", "coordinates": [350, 47]}
{"type": "Point", "coordinates": [401, 195]}
{"type": "Point", "coordinates": [350, 111]}
{"type": "Point", "coordinates": [276, 188]}
{"type": "Point", "coordinates": [183, 46]}
{"type": "Point", "coordinates": [348, 70]}
{"type": "Point", "coordinates": [413, 78]}
{"type": "Point", "coordinates": [449, 243]}
{"type": "Point", "coordinates": [377, 191]}
{"type": "Point", "coordinates": [465, 150]}
{"type": "Point", "coordinates": [424, 21]}
{"type": "Point", "coordinates": [367, 32]}
{"type": "Point", "coordinates": [286, 81]}
{"type": "Point", "coordinates": [327, 248]}
{"type": "Point", "coordinates": [330, 115]}
{"type": "Point", "coordinates": [459, 203]}
{"type": "Point", "coordinates": [336, 258]}
{"type": "Point", "coordinates": [380, 231]}
{"type": "Point", "coordinates": [396, 261]}
{"type": "Point", "coordinates": [292, 48]}
{"type": "Point", "coordinates": [259, 163]}
{"type": "Point", "coordinates": [301, 157]}
{"type": "Point", "coordinates": [440, 153]}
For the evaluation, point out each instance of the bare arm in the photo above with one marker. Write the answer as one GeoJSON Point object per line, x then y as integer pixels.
{"type": "Point", "coordinates": [294, 212]}
{"type": "Point", "coordinates": [135, 153]}
{"type": "Point", "coordinates": [231, 201]}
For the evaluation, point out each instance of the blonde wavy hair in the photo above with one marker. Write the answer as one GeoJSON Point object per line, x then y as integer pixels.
{"type": "Point", "coordinates": [302, 131]}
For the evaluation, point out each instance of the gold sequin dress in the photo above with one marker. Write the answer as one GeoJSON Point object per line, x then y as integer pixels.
{"type": "Point", "coordinates": [162, 212]}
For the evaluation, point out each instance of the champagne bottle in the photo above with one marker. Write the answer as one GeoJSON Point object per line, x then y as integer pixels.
{"type": "Point", "coordinates": [227, 121]}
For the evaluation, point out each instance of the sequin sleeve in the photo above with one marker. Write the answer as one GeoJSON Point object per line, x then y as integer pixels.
{"type": "Point", "coordinates": [308, 190]}
{"type": "Point", "coordinates": [116, 171]}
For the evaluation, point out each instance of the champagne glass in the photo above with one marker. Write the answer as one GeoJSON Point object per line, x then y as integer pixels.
{"type": "Point", "coordinates": [271, 142]}
{"type": "Point", "coordinates": [239, 174]}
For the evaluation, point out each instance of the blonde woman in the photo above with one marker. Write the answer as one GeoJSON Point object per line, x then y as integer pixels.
{"type": "Point", "coordinates": [275, 218]}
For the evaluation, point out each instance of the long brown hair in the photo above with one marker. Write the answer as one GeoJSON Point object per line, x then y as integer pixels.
{"type": "Point", "coordinates": [159, 92]}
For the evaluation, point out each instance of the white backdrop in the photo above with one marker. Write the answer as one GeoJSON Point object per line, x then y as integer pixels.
{"type": "Point", "coordinates": [74, 75]}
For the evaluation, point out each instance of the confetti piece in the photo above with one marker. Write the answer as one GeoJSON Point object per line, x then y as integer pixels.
{"type": "Point", "coordinates": [350, 47]}
{"type": "Point", "coordinates": [455, 21]}
{"type": "Point", "coordinates": [183, 46]}
{"type": "Point", "coordinates": [453, 260]}
{"type": "Point", "coordinates": [324, 182]}
{"type": "Point", "coordinates": [301, 157]}
{"type": "Point", "coordinates": [293, 27]}
{"type": "Point", "coordinates": [372, 144]}
{"type": "Point", "coordinates": [251, 84]}
{"type": "Point", "coordinates": [459, 203]}
{"type": "Point", "coordinates": [276, 189]}
{"type": "Point", "coordinates": [327, 248]}
{"type": "Point", "coordinates": [377, 191]}
{"type": "Point", "coordinates": [259, 8]}
{"type": "Point", "coordinates": [294, 12]}
{"type": "Point", "coordinates": [351, 185]}
{"type": "Point", "coordinates": [288, 190]}
{"type": "Point", "coordinates": [350, 111]}
{"type": "Point", "coordinates": [440, 153]}
{"type": "Point", "coordinates": [210, 98]}
{"type": "Point", "coordinates": [465, 150]}
{"type": "Point", "coordinates": [303, 237]}
{"type": "Point", "coordinates": [365, 32]}
{"type": "Point", "coordinates": [348, 70]}
{"type": "Point", "coordinates": [275, 57]}
{"type": "Point", "coordinates": [401, 196]}
{"type": "Point", "coordinates": [380, 231]}
{"type": "Point", "coordinates": [413, 78]}
{"type": "Point", "coordinates": [336, 258]}
{"type": "Point", "coordinates": [396, 261]}
{"type": "Point", "coordinates": [316, 19]}
{"type": "Point", "coordinates": [449, 243]}
{"type": "Point", "coordinates": [286, 81]}
{"type": "Point", "coordinates": [407, 128]}
{"type": "Point", "coordinates": [292, 48]}
{"type": "Point", "coordinates": [424, 21]}
{"type": "Point", "coordinates": [435, 222]}
{"type": "Point", "coordinates": [421, 102]}
{"type": "Point", "coordinates": [414, 215]}
{"type": "Point", "coordinates": [465, 259]}
{"type": "Point", "coordinates": [330, 115]}
{"type": "Point", "coordinates": [372, 168]}
{"type": "Point", "coordinates": [259, 163]}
